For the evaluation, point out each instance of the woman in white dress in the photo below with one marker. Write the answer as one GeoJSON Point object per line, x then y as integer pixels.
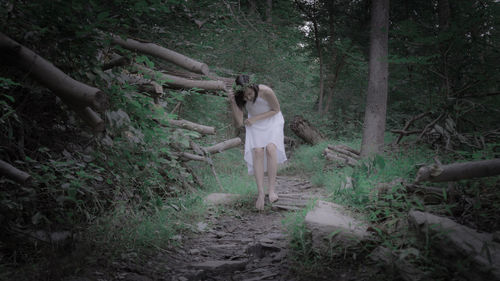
{"type": "Point", "coordinates": [264, 146]}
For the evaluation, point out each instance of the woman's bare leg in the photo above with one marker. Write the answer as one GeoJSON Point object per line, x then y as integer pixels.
{"type": "Point", "coordinates": [272, 168]}
{"type": "Point", "coordinates": [258, 168]}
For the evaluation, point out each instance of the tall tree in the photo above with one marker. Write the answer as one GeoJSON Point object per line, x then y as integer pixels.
{"type": "Point", "coordinates": [376, 99]}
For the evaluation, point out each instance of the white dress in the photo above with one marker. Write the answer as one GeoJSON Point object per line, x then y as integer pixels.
{"type": "Point", "coordinates": [263, 132]}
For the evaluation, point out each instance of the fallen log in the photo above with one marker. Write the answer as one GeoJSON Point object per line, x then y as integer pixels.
{"type": "Point", "coordinates": [303, 129]}
{"type": "Point", "coordinates": [344, 149]}
{"type": "Point", "coordinates": [188, 125]}
{"type": "Point", "coordinates": [76, 93]}
{"type": "Point", "coordinates": [13, 173]}
{"type": "Point", "coordinates": [458, 245]}
{"type": "Point", "coordinates": [458, 171]}
{"type": "Point", "coordinates": [216, 148]}
{"type": "Point", "coordinates": [161, 52]}
{"type": "Point", "coordinates": [392, 261]}
{"type": "Point", "coordinates": [225, 145]}
{"type": "Point", "coordinates": [342, 159]}
{"type": "Point", "coordinates": [181, 83]}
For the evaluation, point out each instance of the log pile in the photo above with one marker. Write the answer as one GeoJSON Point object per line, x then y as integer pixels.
{"type": "Point", "coordinates": [342, 155]}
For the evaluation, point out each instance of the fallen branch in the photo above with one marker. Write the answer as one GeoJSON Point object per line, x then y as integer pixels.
{"type": "Point", "coordinates": [163, 53]}
{"type": "Point", "coordinates": [13, 173]}
{"type": "Point", "coordinates": [458, 171]}
{"type": "Point", "coordinates": [404, 131]}
{"type": "Point", "coordinates": [430, 125]}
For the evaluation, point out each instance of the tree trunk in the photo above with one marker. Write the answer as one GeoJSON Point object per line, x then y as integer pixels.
{"type": "Point", "coordinates": [182, 83]}
{"type": "Point", "coordinates": [163, 53]}
{"type": "Point", "coordinates": [13, 173]}
{"type": "Point", "coordinates": [75, 93]}
{"type": "Point", "coordinates": [459, 171]}
{"type": "Point", "coordinates": [305, 131]}
{"type": "Point", "coordinates": [376, 100]}
{"type": "Point", "coordinates": [269, 11]}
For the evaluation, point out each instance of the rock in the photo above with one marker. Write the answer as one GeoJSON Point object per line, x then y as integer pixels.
{"type": "Point", "coordinates": [201, 226]}
{"type": "Point", "coordinates": [219, 266]}
{"type": "Point", "coordinates": [454, 241]}
{"type": "Point", "coordinates": [496, 236]}
{"type": "Point", "coordinates": [222, 198]}
{"type": "Point", "coordinates": [329, 222]}
{"type": "Point", "coordinates": [194, 252]}
{"type": "Point", "coordinates": [260, 250]}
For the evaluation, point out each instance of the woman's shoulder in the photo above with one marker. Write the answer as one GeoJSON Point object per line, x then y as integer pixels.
{"type": "Point", "coordinates": [264, 89]}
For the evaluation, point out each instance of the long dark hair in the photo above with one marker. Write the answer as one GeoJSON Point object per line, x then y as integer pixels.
{"type": "Point", "coordinates": [244, 81]}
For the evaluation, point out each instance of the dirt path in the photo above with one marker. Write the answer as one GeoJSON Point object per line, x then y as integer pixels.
{"type": "Point", "coordinates": [243, 244]}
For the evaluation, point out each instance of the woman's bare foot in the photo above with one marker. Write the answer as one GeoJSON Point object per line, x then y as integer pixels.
{"type": "Point", "coordinates": [260, 202]}
{"type": "Point", "coordinates": [273, 197]}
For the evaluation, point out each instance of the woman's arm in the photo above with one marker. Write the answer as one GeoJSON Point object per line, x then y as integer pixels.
{"type": "Point", "coordinates": [268, 94]}
{"type": "Point", "coordinates": [236, 111]}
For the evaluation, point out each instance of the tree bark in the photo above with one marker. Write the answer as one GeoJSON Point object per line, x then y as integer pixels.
{"type": "Point", "coordinates": [163, 53]}
{"type": "Point", "coordinates": [182, 83]}
{"type": "Point", "coordinates": [73, 92]}
{"type": "Point", "coordinates": [13, 173]}
{"type": "Point", "coordinates": [459, 171]}
{"type": "Point", "coordinates": [305, 131]}
{"type": "Point", "coordinates": [376, 100]}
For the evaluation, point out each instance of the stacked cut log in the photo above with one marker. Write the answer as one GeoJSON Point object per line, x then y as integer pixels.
{"type": "Point", "coordinates": [82, 98]}
{"type": "Point", "coordinates": [342, 154]}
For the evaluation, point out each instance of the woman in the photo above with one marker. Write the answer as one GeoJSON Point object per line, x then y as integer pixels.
{"type": "Point", "coordinates": [264, 147]}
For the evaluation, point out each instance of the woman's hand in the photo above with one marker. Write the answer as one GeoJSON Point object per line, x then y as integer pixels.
{"type": "Point", "coordinates": [249, 122]}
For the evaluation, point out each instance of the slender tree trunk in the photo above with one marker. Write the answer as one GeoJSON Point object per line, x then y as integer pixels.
{"type": "Point", "coordinates": [376, 100]}
{"type": "Point", "coordinates": [269, 10]}
{"type": "Point", "coordinates": [444, 14]}
{"type": "Point", "coordinates": [321, 65]}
